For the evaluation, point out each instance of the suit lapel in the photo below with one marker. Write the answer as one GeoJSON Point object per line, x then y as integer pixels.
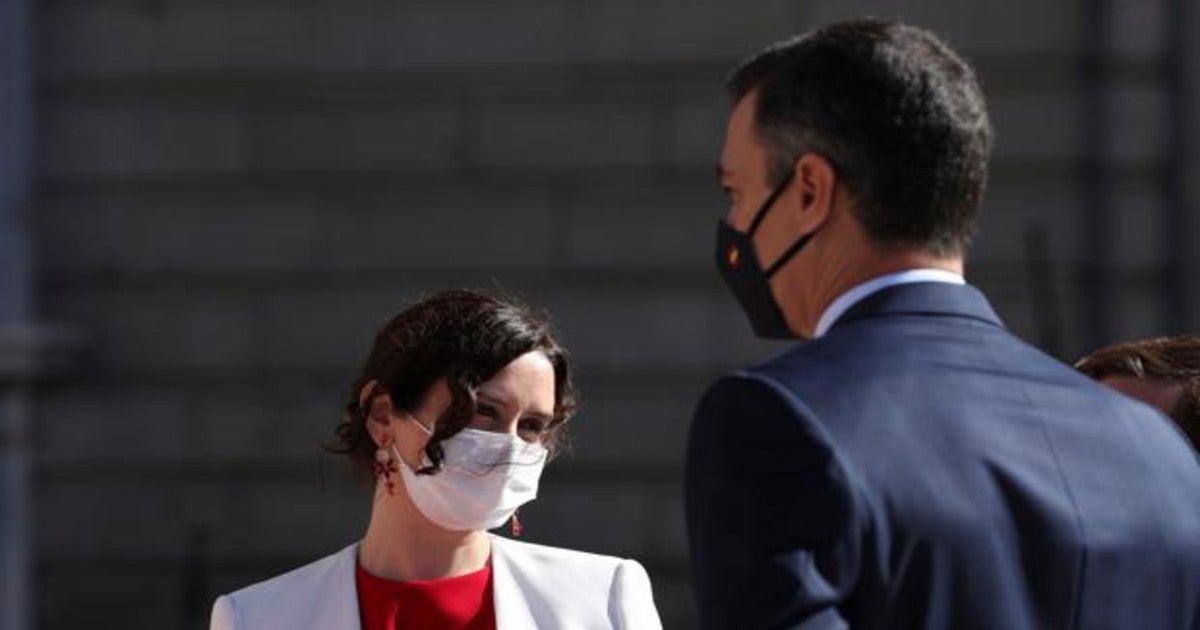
{"type": "Point", "coordinates": [512, 609]}
{"type": "Point", "coordinates": [342, 609]}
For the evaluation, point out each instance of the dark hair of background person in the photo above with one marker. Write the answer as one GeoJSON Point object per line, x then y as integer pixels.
{"type": "Point", "coordinates": [1174, 359]}
{"type": "Point", "coordinates": [898, 114]}
{"type": "Point", "coordinates": [465, 337]}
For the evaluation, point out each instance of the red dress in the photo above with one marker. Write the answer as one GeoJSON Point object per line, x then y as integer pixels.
{"type": "Point", "coordinates": [458, 603]}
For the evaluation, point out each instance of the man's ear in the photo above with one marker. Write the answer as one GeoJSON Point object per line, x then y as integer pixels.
{"type": "Point", "coordinates": [816, 181]}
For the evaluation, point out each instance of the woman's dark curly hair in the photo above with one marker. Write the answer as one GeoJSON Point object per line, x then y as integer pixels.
{"type": "Point", "coordinates": [461, 335]}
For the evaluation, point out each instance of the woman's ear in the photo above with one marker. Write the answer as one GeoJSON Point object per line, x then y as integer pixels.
{"type": "Point", "coordinates": [377, 407]}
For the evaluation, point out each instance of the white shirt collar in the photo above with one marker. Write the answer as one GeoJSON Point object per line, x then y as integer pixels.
{"type": "Point", "coordinates": [838, 307]}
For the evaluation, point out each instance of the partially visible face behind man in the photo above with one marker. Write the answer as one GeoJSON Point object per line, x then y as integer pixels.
{"type": "Point", "coordinates": [1159, 393]}
{"type": "Point", "coordinates": [1163, 373]}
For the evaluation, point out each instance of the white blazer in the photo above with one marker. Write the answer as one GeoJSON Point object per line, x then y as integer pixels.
{"type": "Point", "coordinates": [535, 587]}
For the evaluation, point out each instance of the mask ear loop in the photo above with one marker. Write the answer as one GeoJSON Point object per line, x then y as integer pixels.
{"type": "Point", "coordinates": [786, 256]}
{"type": "Point", "coordinates": [396, 453]}
{"type": "Point", "coordinates": [423, 428]}
{"type": "Point", "coordinates": [794, 249]}
{"type": "Point", "coordinates": [766, 206]}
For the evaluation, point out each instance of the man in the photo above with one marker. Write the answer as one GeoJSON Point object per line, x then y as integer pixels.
{"type": "Point", "coordinates": [1163, 373]}
{"type": "Point", "coordinates": [915, 465]}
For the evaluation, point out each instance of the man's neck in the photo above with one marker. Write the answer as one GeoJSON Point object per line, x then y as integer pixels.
{"type": "Point", "coordinates": [840, 278]}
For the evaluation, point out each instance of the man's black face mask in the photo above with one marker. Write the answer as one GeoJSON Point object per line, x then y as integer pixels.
{"type": "Point", "coordinates": [737, 260]}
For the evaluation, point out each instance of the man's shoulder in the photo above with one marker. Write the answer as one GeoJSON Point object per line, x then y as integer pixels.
{"type": "Point", "coordinates": [783, 382]}
{"type": "Point", "coordinates": [815, 361]}
{"type": "Point", "coordinates": [898, 360]}
{"type": "Point", "coordinates": [875, 347]}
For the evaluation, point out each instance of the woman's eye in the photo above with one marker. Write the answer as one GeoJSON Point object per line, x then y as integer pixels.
{"type": "Point", "coordinates": [487, 410]}
{"type": "Point", "coordinates": [536, 427]}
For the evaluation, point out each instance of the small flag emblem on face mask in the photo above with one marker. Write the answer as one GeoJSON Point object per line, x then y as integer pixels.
{"type": "Point", "coordinates": [733, 256]}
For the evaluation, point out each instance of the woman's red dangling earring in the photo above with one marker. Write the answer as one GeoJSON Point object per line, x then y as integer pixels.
{"type": "Point", "coordinates": [385, 466]}
{"type": "Point", "coordinates": [516, 526]}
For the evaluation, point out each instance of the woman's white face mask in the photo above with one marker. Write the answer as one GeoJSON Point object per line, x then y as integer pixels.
{"type": "Point", "coordinates": [485, 476]}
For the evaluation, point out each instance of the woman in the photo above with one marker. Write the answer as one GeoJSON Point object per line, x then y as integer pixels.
{"type": "Point", "coordinates": [461, 401]}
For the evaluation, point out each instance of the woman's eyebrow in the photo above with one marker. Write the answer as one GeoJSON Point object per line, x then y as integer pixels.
{"type": "Point", "coordinates": [538, 415]}
{"type": "Point", "coordinates": [493, 398]}
{"type": "Point", "coordinates": [500, 400]}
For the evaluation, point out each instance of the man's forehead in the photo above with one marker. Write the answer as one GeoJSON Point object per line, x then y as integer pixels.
{"type": "Point", "coordinates": [741, 147]}
{"type": "Point", "coordinates": [741, 117]}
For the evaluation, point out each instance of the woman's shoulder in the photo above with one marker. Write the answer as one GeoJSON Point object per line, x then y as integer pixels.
{"type": "Point", "coordinates": [332, 567]}
{"type": "Point", "coordinates": [326, 584]}
{"type": "Point", "coordinates": [574, 585]}
{"type": "Point", "coordinates": [549, 560]}
{"type": "Point", "coordinates": [521, 548]}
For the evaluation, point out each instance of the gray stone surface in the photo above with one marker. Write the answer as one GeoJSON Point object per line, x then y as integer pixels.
{"type": "Point", "coordinates": [105, 139]}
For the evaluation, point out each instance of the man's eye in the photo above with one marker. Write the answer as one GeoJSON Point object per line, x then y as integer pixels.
{"type": "Point", "coordinates": [487, 410]}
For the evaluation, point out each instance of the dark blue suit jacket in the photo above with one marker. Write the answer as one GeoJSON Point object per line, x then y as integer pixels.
{"type": "Point", "coordinates": [921, 467]}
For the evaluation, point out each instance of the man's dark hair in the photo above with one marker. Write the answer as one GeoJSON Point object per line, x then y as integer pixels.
{"type": "Point", "coordinates": [899, 115]}
{"type": "Point", "coordinates": [1174, 359]}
